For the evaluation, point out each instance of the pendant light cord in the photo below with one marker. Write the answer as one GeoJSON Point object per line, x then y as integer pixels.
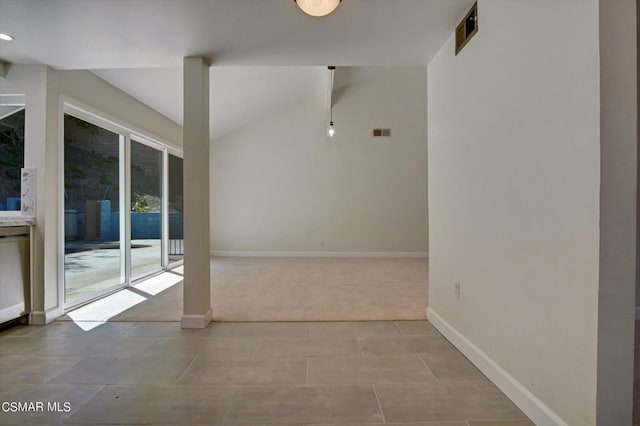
{"type": "Point", "coordinates": [332, 68]}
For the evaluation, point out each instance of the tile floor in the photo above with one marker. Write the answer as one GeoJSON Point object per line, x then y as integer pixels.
{"type": "Point", "coordinates": [246, 374]}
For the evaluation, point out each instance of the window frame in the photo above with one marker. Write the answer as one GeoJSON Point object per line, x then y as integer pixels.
{"type": "Point", "coordinates": [17, 214]}
{"type": "Point", "coordinates": [69, 106]}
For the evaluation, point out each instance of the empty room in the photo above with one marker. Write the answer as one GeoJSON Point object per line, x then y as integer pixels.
{"type": "Point", "coordinates": [318, 212]}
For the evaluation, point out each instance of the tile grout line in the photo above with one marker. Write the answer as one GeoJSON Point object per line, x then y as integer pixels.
{"type": "Point", "coordinates": [525, 418]}
{"type": "Point", "coordinates": [360, 346]}
{"type": "Point", "coordinates": [502, 420]}
{"type": "Point", "coordinates": [130, 329]}
{"type": "Point", "coordinates": [162, 339]}
{"type": "Point", "coordinates": [73, 412]}
{"type": "Point", "coordinates": [233, 400]}
{"type": "Point", "coordinates": [428, 369]}
{"type": "Point", "coordinates": [65, 370]}
{"type": "Point", "coordinates": [36, 329]}
{"type": "Point", "coordinates": [123, 332]}
{"type": "Point", "coordinates": [306, 373]}
{"type": "Point", "coordinates": [187, 368]}
{"type": "Point", "coordinates": [375, 393]}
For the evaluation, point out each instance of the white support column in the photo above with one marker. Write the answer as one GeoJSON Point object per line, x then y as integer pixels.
{"type": "Point", "coordinates": [618, 193]}
{"type": "Point", "coordinates": [197, 275]}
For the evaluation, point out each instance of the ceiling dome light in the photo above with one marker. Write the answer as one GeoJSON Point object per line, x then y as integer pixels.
{"type": "Point", "coordinates": [6, 37]}
{"type": "Point", "coordinates": [317, 7]}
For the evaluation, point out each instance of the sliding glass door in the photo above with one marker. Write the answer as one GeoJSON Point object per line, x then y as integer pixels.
{"type": "Point", "coordinates": [94, 244]}
{"type": "Point", "coordinates": [146, 210]}
{"type": "Point", "coordinates": [176, 210]}
{"type": "Point", "coordinates": [122, 207]}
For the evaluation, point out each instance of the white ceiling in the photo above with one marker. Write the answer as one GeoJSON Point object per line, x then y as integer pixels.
{"type": "Point", "coordinates": [242, 95]}
{"type": "Point", "coordinates": [160, 88]}
{"type": "Point", "coordinates": [138, 45]}
{"type": "Point", "coordinates": [239, 95]}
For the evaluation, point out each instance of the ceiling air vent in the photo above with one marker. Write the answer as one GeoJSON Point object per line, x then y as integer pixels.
{"type": "Point", "coordinates": [382, 133]}
{"type": "Point", "coordinates": [467, 28]}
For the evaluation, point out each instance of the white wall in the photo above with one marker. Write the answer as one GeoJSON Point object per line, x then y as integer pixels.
{"type": "Point", "coordinates": [281, 185]}
{"type": "Point", "coordinates": [32, 82]}
{"type": "Point", "coordinates": [45, 90]}
{"type": "Point", "coordinates": [514, 177]}
{"type": "Point", "coordinates": [618, 193]}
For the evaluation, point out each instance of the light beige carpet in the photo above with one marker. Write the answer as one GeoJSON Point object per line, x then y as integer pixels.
{"type": "Point", "coordinates": [297, 289]}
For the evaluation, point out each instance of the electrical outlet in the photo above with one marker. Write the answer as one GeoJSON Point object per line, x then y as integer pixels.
{"type": "Point", "coordinates": [456, 287]}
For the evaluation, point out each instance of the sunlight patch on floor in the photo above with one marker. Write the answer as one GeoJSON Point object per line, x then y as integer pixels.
{"type": "Point", "coordinates": [159, 283]}
{"type": "Point", "coordinates": [97, 313]}
{"type": "Point", "coordinates": [110, 306]}
{"type": "Point", "coordinates": [88, 325]}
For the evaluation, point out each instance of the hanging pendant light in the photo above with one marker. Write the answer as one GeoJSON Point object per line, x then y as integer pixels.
{"type": "Point", "coordinates": [331, 130]}
{"type": "Point", "coordinates": [317, 7]}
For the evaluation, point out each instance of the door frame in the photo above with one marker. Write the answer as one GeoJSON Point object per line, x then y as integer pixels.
{"type": "Point", "coordinates": [128, 134]}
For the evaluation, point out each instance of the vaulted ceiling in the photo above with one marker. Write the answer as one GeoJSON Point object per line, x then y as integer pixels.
{"type": "Point", "coordinates": [138, 45]}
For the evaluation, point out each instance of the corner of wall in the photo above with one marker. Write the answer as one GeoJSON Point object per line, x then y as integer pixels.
{"type": "Point", "coordinates": [45, 317]}
{"type": "Point", "coordinates": [535, 409]}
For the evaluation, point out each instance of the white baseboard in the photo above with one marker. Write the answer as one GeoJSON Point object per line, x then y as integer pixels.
{"type": "Point", "coordinates": [45, 317]}
{"type": "Point", "coordinates": [535, 409]}
{"type": "Point", "coordinates": [418, 254]}
{"type": "Point", "coordinates": [197, 321]}
{"type": "Point", "coordinates": [638, 312]}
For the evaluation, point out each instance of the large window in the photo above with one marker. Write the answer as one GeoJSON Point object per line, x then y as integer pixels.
{"type": "Point", "coordinates": [12, 121]}
{"type": "Point", "coordinates": [94, 247]}
{"type": "Point", "coordinates": [122, 207]}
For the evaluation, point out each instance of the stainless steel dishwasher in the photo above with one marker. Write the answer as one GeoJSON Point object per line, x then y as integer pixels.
{"type": "Point", "coordinates": [14, 272]}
